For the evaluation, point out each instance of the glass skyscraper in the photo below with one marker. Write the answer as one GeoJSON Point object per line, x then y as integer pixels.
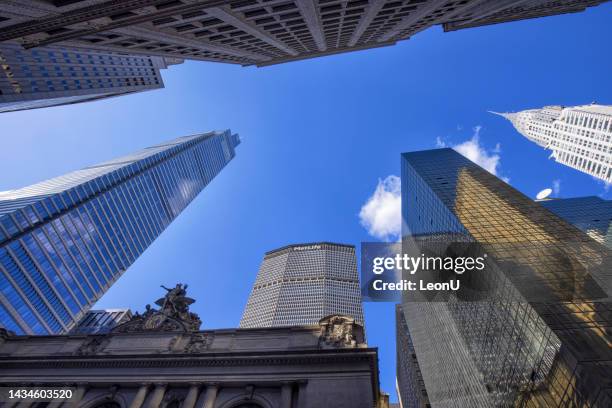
{"type": "Point", "coordinates": [544, 339]}
{"type": "Point", "coordinates": [65, 241]}
{"type": "Point", "coordinates": [409, 380]}
{"type": "Point", "coordinates": [301, 284]}
{"type": "Point", "coordinates": [101, 321]}
{"type": "Point", "coordinates": [591, 214]}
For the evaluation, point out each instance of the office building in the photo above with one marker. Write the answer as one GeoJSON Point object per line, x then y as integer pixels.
{"type": "Point", "coordinates": [253, 32]}
{"type": "Point", "coordinates": [592, 215]}
{"type": "Point", "coordinates": [410, 387]}
{"type": "Point", "coordinates": [101, 321]}
{"type": "Point", "coordinates": [65, 241]}
{"type": "Point", "coordinates": [301, 284]}
{"type": "Point", "coordinates": [542, 337]}
{"type": "Point", "coordinates": [51, 76]}
{"type": "Point", "coordinates": [163, 359]}
{"type": "Point", "coordinates": [579, 136]}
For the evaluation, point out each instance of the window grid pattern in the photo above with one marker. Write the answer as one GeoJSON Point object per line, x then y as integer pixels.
{"type": "Point", "coordinates": [592, 215]}
{"type": "Point", "coordinates": [410, 385]}
{"type": "Point", "coordinates": [579, 137]}
{"type": "Point", "coordinates": [301, 284]}
{"type": "Point", "coordinates": [48, 76]}
{"type": "Point", "coordinates": [101, 321]}
{"type": "Point", "coordinates": [524, 10]}
{"type": "Point", "coordinates": [507, 351]}
{"type": "Point", "coordinates": [65, 241]}
{"type": "Point", "coordinates": [260, 32]}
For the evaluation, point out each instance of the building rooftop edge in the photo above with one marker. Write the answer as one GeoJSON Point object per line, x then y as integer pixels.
{"type": "Point", "coordinates": [245, 330]}
{"type": "Point", "coordinates": [307, 244]}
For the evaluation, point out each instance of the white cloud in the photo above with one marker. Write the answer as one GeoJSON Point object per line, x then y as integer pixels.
{"type": "Point", "coordinates": [440, 142]}
{"type": "Point", "coordinates": [381, 214]}
{"type": "Point", "coordinates": [473, 150]}
{"type": "Point", "coordinates": [556, 187]}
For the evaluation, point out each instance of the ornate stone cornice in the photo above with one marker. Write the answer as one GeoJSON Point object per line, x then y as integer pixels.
{"type": "Point", "coordinates": [308, 357]}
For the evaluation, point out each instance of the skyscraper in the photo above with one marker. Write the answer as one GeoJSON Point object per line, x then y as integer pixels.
{"type": "Point", "coordinates": [65, 241]}
{"type": "Point", "coordinates": [543, 339]}
{"type": "Point", "coordinates": [300, 284]}
{"type": "Point", "coordinates": [592, 215]}
{"type": "Point", "coordinates": [411, 389]}
{"type": "Point", "coordinates": [253, 32]}
{"type": "Point", "coordinates": [101, 321]}
{"type": "Point", "coordinates": [579, 136]}
{"type": "Point", "coordinates": [52, 76]}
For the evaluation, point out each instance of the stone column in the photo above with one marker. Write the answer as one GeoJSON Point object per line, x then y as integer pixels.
{"type": "Point", "coordinates": [140, 396]}
{"type": "Point", "coordinates": [211, 396]}
{"type": "Point", "coordinates": [286, 392]}
{"type": "Point", "coordinates": [301, 397]}
{"type": "Point", "coordinates": [157, 396]}
{"type": "Point", "coordinates": [192, 396]}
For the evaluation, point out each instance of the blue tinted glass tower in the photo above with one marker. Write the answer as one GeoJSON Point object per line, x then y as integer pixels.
{"type": "Point", "coordinates": [65, 241]}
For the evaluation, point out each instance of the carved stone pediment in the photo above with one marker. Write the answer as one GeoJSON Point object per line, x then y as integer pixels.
{"type": "Point", "coordinates": [340, 331]}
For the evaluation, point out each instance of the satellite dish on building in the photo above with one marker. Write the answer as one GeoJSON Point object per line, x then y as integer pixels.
{"type": "Point", "coordinates": [544, 194]}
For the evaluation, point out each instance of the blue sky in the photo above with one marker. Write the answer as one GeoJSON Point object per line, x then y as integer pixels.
{"type": "Point", "coordinates": [318, 135]}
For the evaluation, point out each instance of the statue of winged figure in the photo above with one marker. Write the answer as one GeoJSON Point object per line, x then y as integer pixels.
{"type": "Point", "coordinates": [175, 303]}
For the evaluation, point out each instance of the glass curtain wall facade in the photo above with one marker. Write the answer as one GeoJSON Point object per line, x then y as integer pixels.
{"type": "Point", "coordinates": [551, 349]}
{"type": "Point", "coordinates": [301, 284]}
{"type": "Point", "coordinates": [101, 321]}
{"type": "Point", "coordinates": [411, 389]}
{"type": "Point", "coordinates": [65, 241]}
{"type": "Point", "coordinates": [592, 215]}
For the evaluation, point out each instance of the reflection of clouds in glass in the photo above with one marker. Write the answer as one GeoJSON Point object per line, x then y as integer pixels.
{"type": "Point", "coordinates": [181, 196]}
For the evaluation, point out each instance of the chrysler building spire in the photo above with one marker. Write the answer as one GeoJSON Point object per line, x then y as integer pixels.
{"type": "Point", "coordinates": [579, 137]}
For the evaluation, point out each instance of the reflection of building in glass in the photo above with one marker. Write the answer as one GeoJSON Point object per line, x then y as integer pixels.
{"type": "Point", "coordinates": [544, 339]}
{"type": "Point", "coordinates": [579, 136]}
{"type": "Point", "coordinates": [410, 386]}
{"type": "Point", "coordinates": [250, 32]}
{"type": "Point", "coordinates": [592, 214]}
{"type": "Point", "coordinates": [301, 284]}
{"type": "Point", "coordinates": [101, 321]}
{"type": "Point", "coordinates": [50, 76]}
{"type": "Point", "coordinates": [65, 241]}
